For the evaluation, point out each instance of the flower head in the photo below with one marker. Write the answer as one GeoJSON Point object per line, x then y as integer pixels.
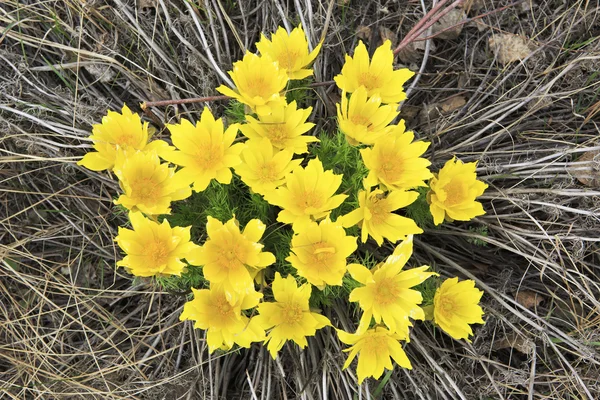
{"type": "Point", "coordinates": [289, 317]}
{"type": "Point", "coordinates": [124, 131]}
{"type": "Point", "coordinates": [262, 169]}
{"type": "Point", "coordinates": [232, 258]}
{"type": "Point", "coordinates": [258, 82]}
{"type": "Point", "coordinates": [376, 212]}
{"type": "Point", "coordinates": [222, 318]}
{"type": "Point", "coordinates": [387, 295]}
{"type": "Point", "coordinates": [148, 185]}
{"type": "Point", "coordinates": [364, 120]}
{"type": "Point", "coordinates": [319, 253]}
{"type": "Point", "coordinates": [377, 76]}
{"type": "Point", "coordinates": [290, 51]}
{"type": "Point", "coordinates": [153, 248]}
{"type": "Point", "coordinates": [455, 306]}
{"type": "Point", "coordinates": [395, 161]}
{"type": "Point", "coordinates": [284, 127]}
{"type": "Point", "coordinates": [374, 348]}
{"type": "Point", "coordinates": [308, 194]}
{"type": "Point", "coordinates": [205, 151]}
{"type": "Point", "coordinates": [453, 192]}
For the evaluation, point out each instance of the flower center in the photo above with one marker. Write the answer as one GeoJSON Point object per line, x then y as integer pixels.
{"type": "Point", "coordinates": [378, 211]}
{"type": "Point", "coordinates": [369, 81]}
{"type": "Point", "coordinates": [322, 253]}
{"type": "Point", "coordinates": [222, 307]}
{"type": "Point", "coordinates": [232, 254]}
{"type": "Point", "coordinates": [359, 119]}
{"type": "Point", "coordinates": [125, 140]}
{"type": "Point", "coordinates": [259, 86]}
{"type": "Point", "coordinates": [385, 292]}
{"type": "Point", "coordinates": [277, 134]}
{"type": "Point", "coordinates": [288, 58]}
{"type": "Point", "coordinates": [291, 313]}
{"type": "Point", "coordinates": [310, 199]}
{"type": "Point", "coordinates": [455, 193]}
{"type": "Point", "coordinates": [145, 190]}
{"type": "Point", "coordinates": [375, 344]}
{"type": "Point", "coordinates": [208, 158]}
{"type": "Point", "coordinates": [158, 252]}
{"type": "Point", "coordinates": [390, 167]}
{"type": "Point", "coordinates": [446, 306]}
{"type": "Point", "coordinates": [267, 172]}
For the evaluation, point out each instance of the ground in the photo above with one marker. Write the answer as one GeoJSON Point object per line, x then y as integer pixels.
{"type": "Point", "coordinates": [512, 85]}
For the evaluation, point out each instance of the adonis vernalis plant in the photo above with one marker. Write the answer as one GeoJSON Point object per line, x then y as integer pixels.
{"type": "Point", "coordinates": [277, 226]}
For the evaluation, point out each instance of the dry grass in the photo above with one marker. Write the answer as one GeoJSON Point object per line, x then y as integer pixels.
{"type": "Point", "coordinates": [74, 327]}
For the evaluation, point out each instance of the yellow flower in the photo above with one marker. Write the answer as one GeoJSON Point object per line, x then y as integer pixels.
{"type": "Point", "coordinates": [222, 319]}
{"type": "Point", "coordinates": [374, 348]}
{"type": "Point", "coordinates": [364, 120]}
{"type": "Point", "coordinates": [396, 162]}
{"type": "Point", "coordinates": [455, 306]}
{"type": "Point", "coordinates": [387, 294]}
{"type": "Point", "coordinates": [377, 76]}
{"type": "Point", "coordinates": [153, 248]}
{"type": "Point", "coordinates": [205, 151]}
{"type": "Point", "coordinates": [148, 185]}
{"type": "Point", "coordinates": [123, 131]}
{"type": "Point", "coordinates": [258, 82]}
{"type": "Point", "coordinates": [284, 127]}
{"type": "Point", "coordinates": [290, 51]}
{"type": "Point", "coordinates": [261, 169]}
{"type": "Point", "coordinates": [453, 192]}
{"type": "Point", "coordinates": [232, 258]}
{"type": "Point", "coordinates": [376, 212]}
{"type": "Point", "coordinates": [319, 253]}
{"type": "Point", "coordinates": [289, 317]}
{"type": "Point", "coordinates": [308, 195]}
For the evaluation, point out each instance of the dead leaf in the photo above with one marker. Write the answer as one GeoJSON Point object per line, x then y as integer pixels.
{"type": "Point", "coordinates": [473, 5]}
{"type": "Point", "coordinates": [143, 4]}
{"type": "Point", "coordinates": [450, 25]}
{"type": "Point", "coordinates": [528, 299]}
{"type": "Point", "coordinates": [409, 113]}
{"type": "Point", "coordinates": [508, 47]}
{"type": "Point", "coordinates": [452, 104]}
{"type": "Point", "coordinates": [387, 34]}
{"type": "Point", "coordinates": [363, 32]}
{"type": "Point", "coordinates": [588, 173]}
{"type": "Point", "coordinates": [517, 342]}
{"type": "Point", "coordinates": [413, 52]}
{"type": "Point", "coordinates": [477, 23]}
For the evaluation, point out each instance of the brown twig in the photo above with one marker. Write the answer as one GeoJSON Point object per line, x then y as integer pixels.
{"type": "Point", "coordinates": [163, 103]}
{"type": "Point", "coordinates": [429, 19]}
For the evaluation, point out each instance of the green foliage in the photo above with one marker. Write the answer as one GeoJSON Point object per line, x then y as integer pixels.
{"type": "Point", "coordinates": [323, 298]}
{"type": "Point", "coordinates": [481, 230]}
{"type": "Point", "coordinates": [429, 287]}
{"type": "Point", "coordinates": [338, 155]}
{"type": "Point", "coordinates": [419, 210]}
{"type": "Point", "coordinates": [235, 112]}
{"type": "Point", "coordinates": [296, 91]}
{"type": "Point", "coordinates": [277, 240]}
{"type": "Point", "coordinates": [221, 202]}
{"type": "Point", "coordinates": [366, 258]}
{"type": "Point", "coordinates": [181, 285]}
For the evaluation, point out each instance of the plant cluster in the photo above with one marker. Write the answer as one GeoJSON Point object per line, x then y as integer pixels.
{"type": "Point", "coordinates": [251, 295]}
